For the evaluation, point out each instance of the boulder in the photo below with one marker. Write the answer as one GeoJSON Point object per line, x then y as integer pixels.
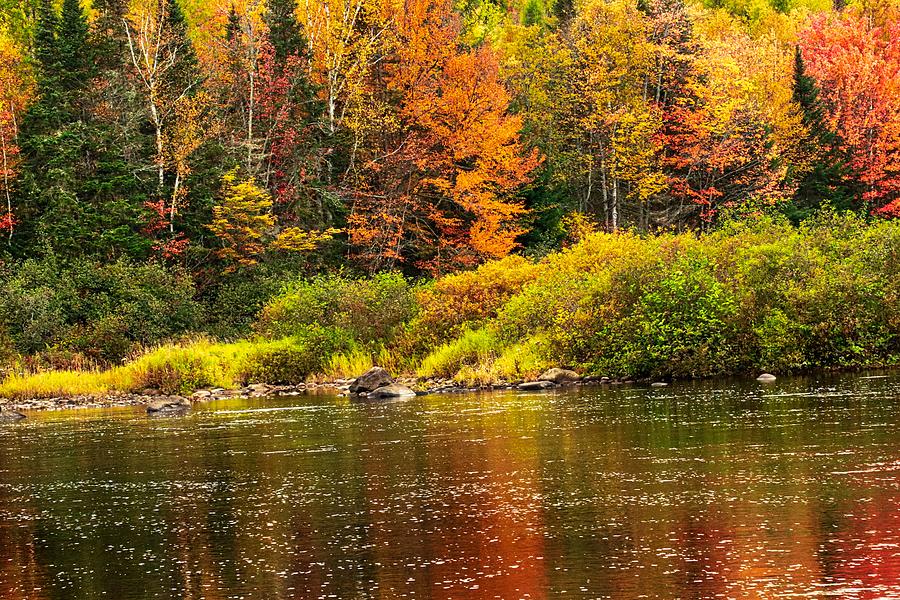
{"type": "Point", "coordinates": [560, 376]}
{"type": "Point", "coordinates": [391, 390]}
{"type": "Point", "coordinates": [168, 404]}
{"type": "Point", "coordinates": [659, 384]}
{"type": "Point", "coordinates": [531, 386]}
{"type": "Point", "coordinates": [10, 416]}
{"type": "Point", "coordinates": [766, 377]}
{"type": "Point", "coordinates": [371, 380]}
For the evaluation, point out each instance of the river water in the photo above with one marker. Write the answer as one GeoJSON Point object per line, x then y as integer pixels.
{"type": "Point", "coordinates": [728, 489]}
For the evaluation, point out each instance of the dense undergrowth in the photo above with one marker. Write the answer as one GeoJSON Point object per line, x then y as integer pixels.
{"type": "Point", "coordinates": [759, 295]}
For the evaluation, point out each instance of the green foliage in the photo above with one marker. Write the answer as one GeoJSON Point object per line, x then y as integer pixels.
{"type": "Point", "coordinates": [754, 295]}
{"type": "Point", "coordinates": [473, 347]}
{"type": "Point", "coordinates": [104, 311]}
{"type": "Point", "coordinates": [293, 359]}
{"type": "Point", "coordinates": [827, 181]}
{"type": "Point", "coordinates": [170, 369]}
{"type": "Point", "coordinates": [369, 310]}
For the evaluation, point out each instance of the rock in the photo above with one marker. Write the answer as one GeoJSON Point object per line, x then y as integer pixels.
{"type": "Point", "coordinates": [257, 390]}
{"type": "Point", "coordinates": [201, 394]}
{"type": "Point", "coordinates": [391, 390]}
{"type": "Point", "coordinates": [371, 380]}
{"type": "Point", "coordinates": [560, 376]}
{"type": "Point", "coordinates": [10, 416]}
{"type": "Point", "coordinates": [659, 384]}
{"type": "Point", "coordinates": [766, 377]}
{"type": "Point", "coordinates": [531, 386]}
{"type": "Point", "coordinates": [168, 404]}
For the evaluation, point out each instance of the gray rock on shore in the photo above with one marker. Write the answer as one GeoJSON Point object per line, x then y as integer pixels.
{"type": "Point", "coordinates": [559, 376]}
{"type": "Point", "coordinates": [168, 405]}
{"type": "Point", "coordinates": [766, 378]}
{"type": "Point", "coordinates": [371, 380]}
{"type": "Point", "coordinates": [10, 416]}
{"type": "Point", "coordinates": [392, 390]}
{"type": "Point", "coordinates": [533, 386]}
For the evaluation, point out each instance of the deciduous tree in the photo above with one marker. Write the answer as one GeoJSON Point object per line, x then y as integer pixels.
{"type": "Point", "coordinates": [857, 66]}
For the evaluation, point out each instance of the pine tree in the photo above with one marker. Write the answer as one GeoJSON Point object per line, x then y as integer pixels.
{"type": "Point", "coordinates": [74, 54]}
{"type": "Point", "coordinates": [184, 76]}
{"type": "Point", "coordinates": [43, 115]}
{"type": "Point", "coordinates": [827, 181]}
{"type": "Point", "coordinates": [109, 40]}
{"type": "Point", "coordinates": [76, 190]}
{"type": "Point", "coordinates": [46, 50]}
{"type": "Point", "coordinates": [284, 31]}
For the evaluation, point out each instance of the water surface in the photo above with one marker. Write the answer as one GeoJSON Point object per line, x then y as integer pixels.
{"type": "Point", "coordinates": [706, 490]}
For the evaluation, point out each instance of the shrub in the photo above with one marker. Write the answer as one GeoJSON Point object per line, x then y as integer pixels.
{"type": "Point", "coordinates": [293, 359]}
{"type": "Point", "coordinates": [104, 311]}
{"type": "Point", "coordinates": [181, 368]}
{"type": "Point", "coordinates": [369, 310]}
{"type": "Point", "coordinates": [234, 303]}
{"type": "Point", "coordinates": [465, 300]}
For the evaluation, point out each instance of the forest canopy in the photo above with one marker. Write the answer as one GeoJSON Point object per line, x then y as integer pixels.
{"type": "Point", "coordinates": [235, 144]}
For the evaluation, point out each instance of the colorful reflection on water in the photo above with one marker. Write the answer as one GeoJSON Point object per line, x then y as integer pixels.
{"type": "Point", "coordinates": [707, 490]}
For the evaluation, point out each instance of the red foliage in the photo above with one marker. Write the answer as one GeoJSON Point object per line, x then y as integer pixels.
{"type": "Point", "coordinates": [857, 65]}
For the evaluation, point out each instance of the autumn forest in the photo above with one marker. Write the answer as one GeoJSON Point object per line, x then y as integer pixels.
{"type": "Point", "coordinates": [173, 167]}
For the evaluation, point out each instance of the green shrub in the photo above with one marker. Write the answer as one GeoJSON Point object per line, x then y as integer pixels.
{"type": "Point", "coordinates": [102, 310]}
{"type": "Point", "coordinates": [293, 359]}
{"type": "Point", "coordinates": [369, 310]}
{"type": "Point", "coordinates": [472, 348]}
{"type": "Point", "coordinates": [181, 369]}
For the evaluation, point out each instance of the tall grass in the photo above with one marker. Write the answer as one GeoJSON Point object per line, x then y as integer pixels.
{"type": "Point", "coordinates": [177, 369]}
{"type": "Point", "coordinates": [473, 347]}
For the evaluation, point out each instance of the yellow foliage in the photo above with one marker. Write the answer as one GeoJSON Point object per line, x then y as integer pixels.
{"type": "Point", "coordinates": [294, 239]}
{"type": "Point", "coordinates": [241, 221]}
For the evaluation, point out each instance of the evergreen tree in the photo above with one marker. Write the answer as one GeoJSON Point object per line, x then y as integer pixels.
{"type": "Point", "coordinates": [284, 30]}
{"type": "Point", "coordinates": [828, 180]}
{"type": "Point", "coordinates": [109, 40]}
{"type": "Point", "coordinates": [46, 49]}
{"type": "Point", "coordinates": [184, 76]}
{"type": "Point", "coordinates": [43, 114]}
{"type": "Point", "coordinates": [74, 53]}
{"type": "Point", "coordinates": [77, 195]}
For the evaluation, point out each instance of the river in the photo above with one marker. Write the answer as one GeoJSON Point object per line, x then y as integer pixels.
{"type": "Point", "coordinates": [728, 489]}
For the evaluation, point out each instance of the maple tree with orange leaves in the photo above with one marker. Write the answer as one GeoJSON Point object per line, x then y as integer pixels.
{"type": "Point", "coordinates": [437, 186]}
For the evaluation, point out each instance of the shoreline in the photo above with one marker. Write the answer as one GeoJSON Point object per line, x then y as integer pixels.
{"type": "Point", "coordinates": [338, 387]}
{"type": "Point", "coordinates": [341, 388]}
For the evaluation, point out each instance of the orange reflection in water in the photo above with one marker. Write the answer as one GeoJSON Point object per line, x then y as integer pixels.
{"type": "Point", "coordinates": [865, 547]}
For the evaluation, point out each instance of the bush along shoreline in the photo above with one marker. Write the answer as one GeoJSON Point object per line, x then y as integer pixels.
{"type": "Point", "coordinates": [753, 296]}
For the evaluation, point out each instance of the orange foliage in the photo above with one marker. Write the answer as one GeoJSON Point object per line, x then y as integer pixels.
{"type": "Point", "coordinates": [14, 95]}
{"type": "Point", "coordinates": [438, 186]}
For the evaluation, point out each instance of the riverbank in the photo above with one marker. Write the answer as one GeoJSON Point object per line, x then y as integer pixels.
{"type": "Point", "coordinates": [756, 296]}
{"type": "Point", "coordinates": [404, 386]}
